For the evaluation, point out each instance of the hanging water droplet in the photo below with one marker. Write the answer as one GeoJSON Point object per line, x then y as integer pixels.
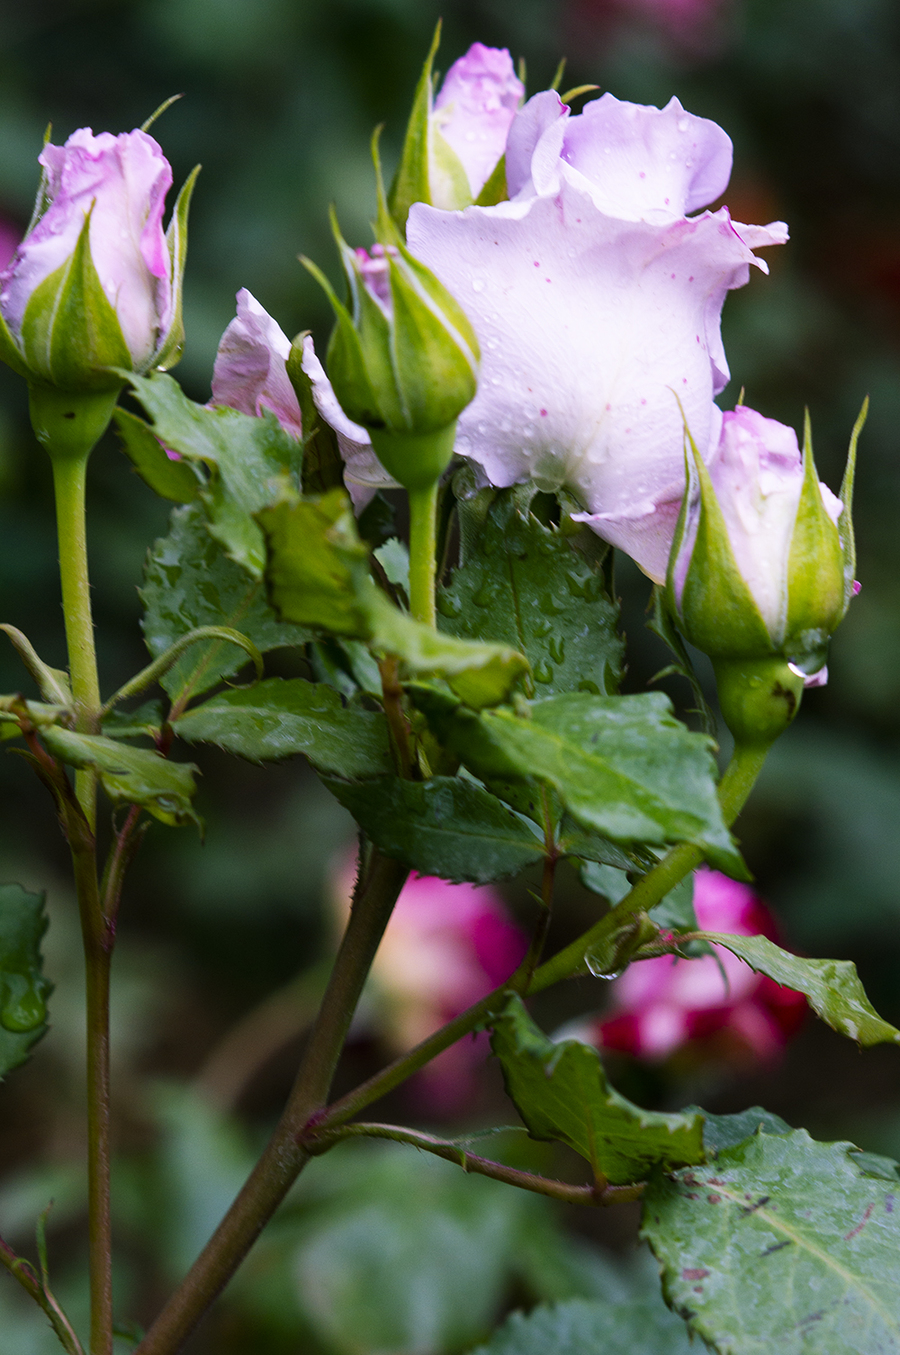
{"type": "Point", "coordinates": [487, 594]}
{"type": "Point", "coordinates": [542, 671]}
{"type": "Point", "coordinates": [557, 647]}
{"type": "Point", "coordinates": [448, 605]}
{"type": "Point", "coordinates": [23, 1006]}
{"type": "Point", "coordinates": [595, 965]}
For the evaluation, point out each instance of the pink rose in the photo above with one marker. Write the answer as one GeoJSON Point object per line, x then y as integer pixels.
{"type": "Point", "coordinates": [596, 298]}
{"type": "Point", "coordinates": [250, 371]}
{"type": "Point", "coordinates": [660, 1005]}
{"type": "Point", "coordinates": [473, 113]}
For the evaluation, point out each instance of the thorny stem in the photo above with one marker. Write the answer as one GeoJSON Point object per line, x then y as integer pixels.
{"type": "Point", "coordinates": [454, 1152]}
{"type": "Point", "coordinates": [285, 1155]}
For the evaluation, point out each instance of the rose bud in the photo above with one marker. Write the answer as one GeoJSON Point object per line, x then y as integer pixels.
{"type": "Point", "coordinates": [402, 359]}
{"type": "Point", "coordinates": [95, 286]}
{"type": "Point", "coordinates": [595, 293]}
{"type": "Point", "coordinates": [761, 570]}
{"type": "Point", "coordinates": [455, 142]}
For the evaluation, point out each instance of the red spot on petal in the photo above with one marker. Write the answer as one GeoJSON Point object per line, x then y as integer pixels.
{"type": "Point", "coordinates": [537, 263]}
{"type": "Point", "coordinates": [543, 413]}
{"type": "Point", "coordinates": [694, 1274]}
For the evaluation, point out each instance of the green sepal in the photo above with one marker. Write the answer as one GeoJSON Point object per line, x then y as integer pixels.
{"type": "Point", "coordinates": [322, 467]}
{"type": "Point", "coordinates": [718, 612]}
{"type": "Point", "coordinates": [177, 241]}
{"type": "Point", "coordinates": [562, 1093]}
{"type": "Point", "coordinates": [412, 179]}
{"type": "Point", "coordinates": [71, 335]}
{"type": "Point", "coordinates": [344, 356]}
{"type": "Point", "coordinates": [447, 178]}
{"type": "Point", "coordinates": [815, 572]}
{"type": "Point", "coordinates": [177, 481]}
{"type": "Point", "coordinates": [845, 521]}
{"type": "Point", "coordinates": [495, 188]}
{"type": "Point", "coordinates": [9, 350]}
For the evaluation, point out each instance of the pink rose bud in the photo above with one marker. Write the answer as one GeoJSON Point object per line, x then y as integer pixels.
{"type": "Point", "coordinates": [96, 282]}
{"type": "Point", "coordinates": [661, 1005]}
{"type": "Point", "coordinates": [473, 114]}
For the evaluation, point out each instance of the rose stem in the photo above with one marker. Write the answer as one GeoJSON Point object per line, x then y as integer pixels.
{"type": "Point", "coordinates": [422, 552]}
{"type": "Point", "coordinates": [69, 475]}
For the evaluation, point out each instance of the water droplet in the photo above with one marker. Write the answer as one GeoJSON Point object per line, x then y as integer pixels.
{"type": "Point", "coordinates": [595, 964]}
{"type": "Point", "coordinates": [487, 594]}
{"type": "Point", "coordinates": [542, 671]}
{"type": "Point", "coordinates": [477, 284]}
{"type": "Point", "coordinates": [541, 627]}
{"type": "Point", "coordinates": [23, 1006]}
{"type": "Point", "coordinates": [557, 647]}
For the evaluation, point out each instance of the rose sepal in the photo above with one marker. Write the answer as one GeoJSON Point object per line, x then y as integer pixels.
{"type": "Point", "coordinates": [815, 578]}
{"type": "Point", "coordinates": [177, 239]}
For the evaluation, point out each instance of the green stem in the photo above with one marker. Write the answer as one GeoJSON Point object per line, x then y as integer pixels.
{"type": "Point", "coordinates": [21, 1270]}
{"type": "Point", "coordinates": [498, 1171]}
{"type": "Point", "coordinates": [423, 552]}
{"type": "Point", "coordinates": [69, 476]}
{"type": "Point", "coordinates": [734, 788]}
{"type": "Point", "coordinates": [285, 1156]}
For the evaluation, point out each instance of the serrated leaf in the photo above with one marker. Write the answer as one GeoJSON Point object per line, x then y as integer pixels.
{"type": "Point", "coordinates": [446, 826]}
{"type": "Point", "coordinates": [318, 577]}
{"type": "Point", "coordinates": [252, 456]}
{"type": "Point", "coordinates": [23, 988]}
{"type": "Point", "coordinates": [281, 717]}
{"type": "Point", "coordinates": [831, 987]}
{"type": "Point", "coordinates": [190, 582]}
{"type": "Point", "coordinates": [522, 583]}
{"type": "Point", "coordinates": [175, 480]}
{"type": "Point", "coordinates": [781, 1244]}
{"type": "Point", "coordinates": [724, 1131]}
{"type": "Point", "coordinates": [128, 774]}
{"type": "Point", "coordinates": [561, 1092]}
{"type": "Point", "coordinates": [588, 1327]}
{"type": "Point", "coordinates": [623, 765]}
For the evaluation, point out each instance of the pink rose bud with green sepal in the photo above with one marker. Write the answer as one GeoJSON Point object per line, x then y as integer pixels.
{"type": "Point", "coordinates": [761, 568]}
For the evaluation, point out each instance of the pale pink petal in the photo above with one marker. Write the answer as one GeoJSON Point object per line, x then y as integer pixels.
{"type": "Point", "coordinates": [475, 107]}
{"type": "Point", "coordinates": [250, 372]}
{"type": "Point", "coordinates": [363, 472]}
{"type": "Point", "coordinates": [539, 127]}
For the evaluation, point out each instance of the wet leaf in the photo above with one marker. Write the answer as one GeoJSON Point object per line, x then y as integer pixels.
{"type": "Point", "coordinates": [585, 1327]}
{"type": "Point", "coordinates": [281, 717]}
{"type": "Point", "coordinates": [781, 1244]}
{"type": "Point", "coordinates": [561, 1092]}
{"type": "Point", "coordinates": [128, 774]}
{"type": "Point", "coordinates": [446, 826]}
{"type": "Point", "coordinates": [23, 988]}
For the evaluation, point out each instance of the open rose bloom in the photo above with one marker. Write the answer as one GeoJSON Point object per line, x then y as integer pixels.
{"type": "Point", "coordinates": [596, 298]}
{"type": "Point", "coordinates": [659, 1006]}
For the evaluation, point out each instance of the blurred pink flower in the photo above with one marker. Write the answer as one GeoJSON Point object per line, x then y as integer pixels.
{"type": "Point", "coordinates": [446, 946]}
{"type": "Point", "coordinates": [10, 236]}
{"type": "Point", "coordinates": [660, 1005]}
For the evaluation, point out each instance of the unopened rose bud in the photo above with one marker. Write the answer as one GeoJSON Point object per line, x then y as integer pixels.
{"type": "Point", "coordinates": [402, 359]}
{"type": "Point", "coordinates": [758, 573]}
{"type": "Point", "coordinates": [455, 142]}
{"type": "Point", "coordinates": [95, 286]}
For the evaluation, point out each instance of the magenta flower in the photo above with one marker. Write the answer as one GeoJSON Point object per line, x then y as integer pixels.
{"type": "Point", "coordinates": [108, 193]}
{"type": "Point", "coordinates": [660, 1005]}
{"type": "Point", "coordinates": [250, 371]}
{"type": "Point", "coordinates": [595, 299]}
{"type": "Point", "coordinates": [446, 946]}
{"type": "Point", "coordinates": [473, 113]}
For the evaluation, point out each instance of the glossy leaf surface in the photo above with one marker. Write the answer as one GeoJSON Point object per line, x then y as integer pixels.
{"type": "Point", "coordinates": [23, 988]}
{"type": "Point", "coordinates": [561, 1092]}
{"type": "Point", "coordinates": [128, 774]}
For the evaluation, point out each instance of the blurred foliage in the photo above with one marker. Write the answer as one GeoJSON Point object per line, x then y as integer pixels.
{"type": "Point", "coordinates": [280, 99]}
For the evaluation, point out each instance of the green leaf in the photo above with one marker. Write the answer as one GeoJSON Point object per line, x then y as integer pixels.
{"type": "Point", "coordinates": [523, 583]}
{"type": "Point", "coordinates": [623, 765]}
{"type": "Point", "coordinates": [446, 826]}
{"type": "Point", "coordinates": [280, 717]}
{"type": "Point", "coordinates": [724, 1131]}
{"type": "Point", "coordinates": [782, 1244]}
{"type": "Point", "coordinates": [318, 577]}
{"type": "Point", "coordinates": [831, 987]}
{"type": "Point", "coordinates": [176, 480]}
{"type": "Point", "coordinates": [253, 457]}
{"type": "Point", "coordinates": [145, 722]}
{"type": "Point", "coordinates": [561, 1092]}
{"type": "Point", "coordinates": [128, 774]}
{"type": "Point", "coordinates": [189, 582]}
{"type": "Point", "coordinates": [585, 1327]}
{"type": "Point", "coordinates": [23, 988]}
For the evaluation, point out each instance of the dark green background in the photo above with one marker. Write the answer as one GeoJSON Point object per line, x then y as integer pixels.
{"type": "Point", "coordinates": [280, 99]}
